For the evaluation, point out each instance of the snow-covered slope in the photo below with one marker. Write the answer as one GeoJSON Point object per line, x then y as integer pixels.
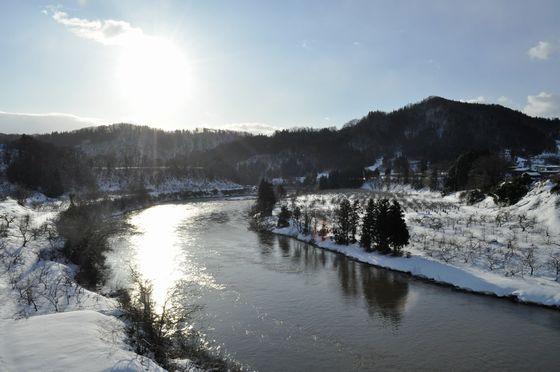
{"type": "Point", "coordinates": [503, 251]}
{"type": "Point", "coordinates": [47, 321]}
{"type": "Point", "coordinates": [83, 340]}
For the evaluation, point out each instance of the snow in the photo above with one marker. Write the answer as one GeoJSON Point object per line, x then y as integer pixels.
{"type": "Point", "coordinates": [438, 253]}
{"type": "Point", "coordinates": [47, 321]}
{"type": "Point", "coordinates": [376, 165]}
{"type": "Point", "coordinates": [78, 340]}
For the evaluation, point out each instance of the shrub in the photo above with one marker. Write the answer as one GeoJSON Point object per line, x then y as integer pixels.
{"type": "Point", "coordinates": [472, 196]}
{"type": "Point", "coordinates": [86, 229]}
{"type": "Point", "coordinates": [510, 192]}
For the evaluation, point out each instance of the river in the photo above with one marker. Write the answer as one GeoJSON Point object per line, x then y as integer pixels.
{"type": "Point", "coordinates": [276, 304]}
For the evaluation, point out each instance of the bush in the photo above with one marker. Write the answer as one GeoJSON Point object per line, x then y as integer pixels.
{"type": "Point", "coordinates": [163, 332]}
{"type": "Point", "coordinates": [472, 196]}
{"type": "Point", "coordinates": [86, 229]}
{"type": "Point", "coordinates": [510, 192]}
{"type": "Point", "coordinates": [284, 217]}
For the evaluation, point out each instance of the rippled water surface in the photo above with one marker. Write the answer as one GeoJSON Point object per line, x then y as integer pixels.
{"type": "Point", "coordinates": [276, 304]}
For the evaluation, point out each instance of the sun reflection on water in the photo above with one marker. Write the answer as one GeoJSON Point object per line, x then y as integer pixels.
{"type": "Point", "coordinates": [161, 252]}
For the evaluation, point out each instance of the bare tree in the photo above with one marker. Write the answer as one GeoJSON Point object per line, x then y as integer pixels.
{"type": "Point", "coordinates": [554, 264]}
{"type": "Point", "coordinates": [8, 219]}
{"type": "Point", "coordinates": [529, 258]}
{"type": "Point", "coordinates": [492, 258]}
{"type": "Point", "coordinates": [24, 228]}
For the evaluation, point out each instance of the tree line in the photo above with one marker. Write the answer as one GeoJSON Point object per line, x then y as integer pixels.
{"type": "Point", "coordinates": [381, 224]}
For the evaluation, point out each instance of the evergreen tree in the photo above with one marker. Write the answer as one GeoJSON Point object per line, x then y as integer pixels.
{"type": "Point", "coordinates": [284, 217]}
{"type": "Point", "coordinates": [368, 221]}
{"type": "Point", "coordinates": [296, 216]}
{"type": "Point", "coordinates": [343, 225]}
{"type": "Point", "coordinates": [306, 226]}
{"type": "Point", "coordinates": [381, 226]}
{"type": "Point", "coordinates": [354, 220]}
{"type": "Point", "coordinates": [265, 198]}
{"type": "Point", "coordinates": [398, 231]}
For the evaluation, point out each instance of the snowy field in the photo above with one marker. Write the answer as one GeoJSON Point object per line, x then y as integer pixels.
{"type": "Point", "coordinates": [504, 251]}
{"type": "Point", "coordinates": [47, 321]}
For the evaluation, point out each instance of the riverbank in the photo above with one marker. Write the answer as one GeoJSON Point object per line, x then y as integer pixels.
{"type": "Point", "coordinates": [47, 320]}
{"type": "Point", "coordinates": [463, 246]}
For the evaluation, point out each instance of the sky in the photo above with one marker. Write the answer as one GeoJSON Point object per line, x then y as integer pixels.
{"type": "Point", "coordinates": [261, 65]}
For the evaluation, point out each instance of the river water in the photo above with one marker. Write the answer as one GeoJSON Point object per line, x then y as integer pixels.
{"type": "Point", "coordinates": [276, 304]}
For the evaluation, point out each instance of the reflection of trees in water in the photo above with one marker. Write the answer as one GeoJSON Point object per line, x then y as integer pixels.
{"type": "Point", "coordinates": [385, 292]}
{"type": "Point", "coordinates": [284, 244]}
{"type": "Point", "coordinates": [266, 242]}
{"type": "Point", "coordinates": [302, 253]}
{"type": "Point", "coordinates": [347, 274]}
{"type": "Point", "coordinates": [306, 254]}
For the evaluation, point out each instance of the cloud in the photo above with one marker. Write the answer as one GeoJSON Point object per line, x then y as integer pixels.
{"type": "Point", "coordinates": [543, 105]}
{"type": "Point", "coordinates": [505, 101]}
{"type": "Point", "coordinates": [479, 99]}
{"type": "Point", "coordinates": [107, 32]}
{"type": "Point", "coordinates": [541, 51]}
{"type": "Point", "coordinates": [254, 128]}
{"type": "Point", "coordinates": [15, 122]}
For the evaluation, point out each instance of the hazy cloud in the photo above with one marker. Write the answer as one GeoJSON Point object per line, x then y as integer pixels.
{"type": "Point", "coordinates": [543, 105]}
{"type": "Point", "coordinates": [542, 50]}
{"type": "Point", "coordinates": [15, 122]}
{"type": "Point", "coordinates": [107, 32]}
{"type": "Point", "coordinates": [254, 128]}
{"type": "Point", "coordinates": [479, 99]}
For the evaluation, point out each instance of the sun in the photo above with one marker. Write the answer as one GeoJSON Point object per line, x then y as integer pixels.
{"type": "Point", "coordinates": [154, 77]}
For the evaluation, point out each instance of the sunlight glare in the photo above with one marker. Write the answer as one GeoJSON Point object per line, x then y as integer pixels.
{"type": "Point", "coordinates": [160, 254]}
{"type": "Point", "coordinates": [153, 77]}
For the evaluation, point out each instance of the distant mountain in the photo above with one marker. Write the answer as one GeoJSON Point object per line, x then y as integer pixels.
{"type": "Point", "coordinates": [133, 145]}
{"type": "Point", "coordinates": [435, 129]}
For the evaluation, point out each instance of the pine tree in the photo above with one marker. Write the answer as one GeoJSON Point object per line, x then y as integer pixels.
{"type": "Point", "coordinates": [265, 198]}
{"type": "Point", "coordinates": [296, 216]}
{"type": "Point", "coordinates": [343, 223]}
{"type": "Point", "coordinates": [381, 228]}
{"type": "Point", "coordinates": [354, 220]}
{"type": "Point", "coordinates": [284, 217]}
{"type": "Point", "coordinates": [366, 239]}
{"type": "Point", "coordinates": [398, 231]}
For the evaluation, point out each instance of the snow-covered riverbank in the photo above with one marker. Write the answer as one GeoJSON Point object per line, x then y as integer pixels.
{"type": "Point", "coordinates": [500, 251]}
{"type": "Point", "coordinates": [48, 321]}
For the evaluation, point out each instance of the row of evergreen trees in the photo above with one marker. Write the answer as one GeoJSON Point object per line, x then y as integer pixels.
{"type": "Point", "coordinates": [383, 227]}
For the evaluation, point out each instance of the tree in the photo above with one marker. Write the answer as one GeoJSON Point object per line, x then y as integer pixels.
{"type": "Point", "coordinates": [381, 226]}
{"type": "Point", "coordinates": [368, 221]}
{"type": "Point", "coordinates": [384, 228]}
{"type": "Point", "coordinates": [343, 226]}
{"type": "Point", "coordinates": [486, 172]}
{"type": "Point", "coordinates": [510, 192]}
{"type": "Point", "coordinates": [24, 227]}
{"type": "Point", "coordinates": [323, 231]}
{"type": "Point", "coordinates": [354, 220]}
{"type": "Point", "coordinates": [402, 167]}
{"type": "Point", "coordinates": [284, 217]}
{"type": "Point", "coordinates": [398, 231]}
{"type": "Point", "coordinates": [265, 198]}
{"type": "Point", "coordinates": [434, 179]}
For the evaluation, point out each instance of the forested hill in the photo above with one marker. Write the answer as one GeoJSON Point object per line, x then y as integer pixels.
{"type": "Point", "coordinates": [133, 145]}
{"type": "Point", "coordinates": [435, 129]}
